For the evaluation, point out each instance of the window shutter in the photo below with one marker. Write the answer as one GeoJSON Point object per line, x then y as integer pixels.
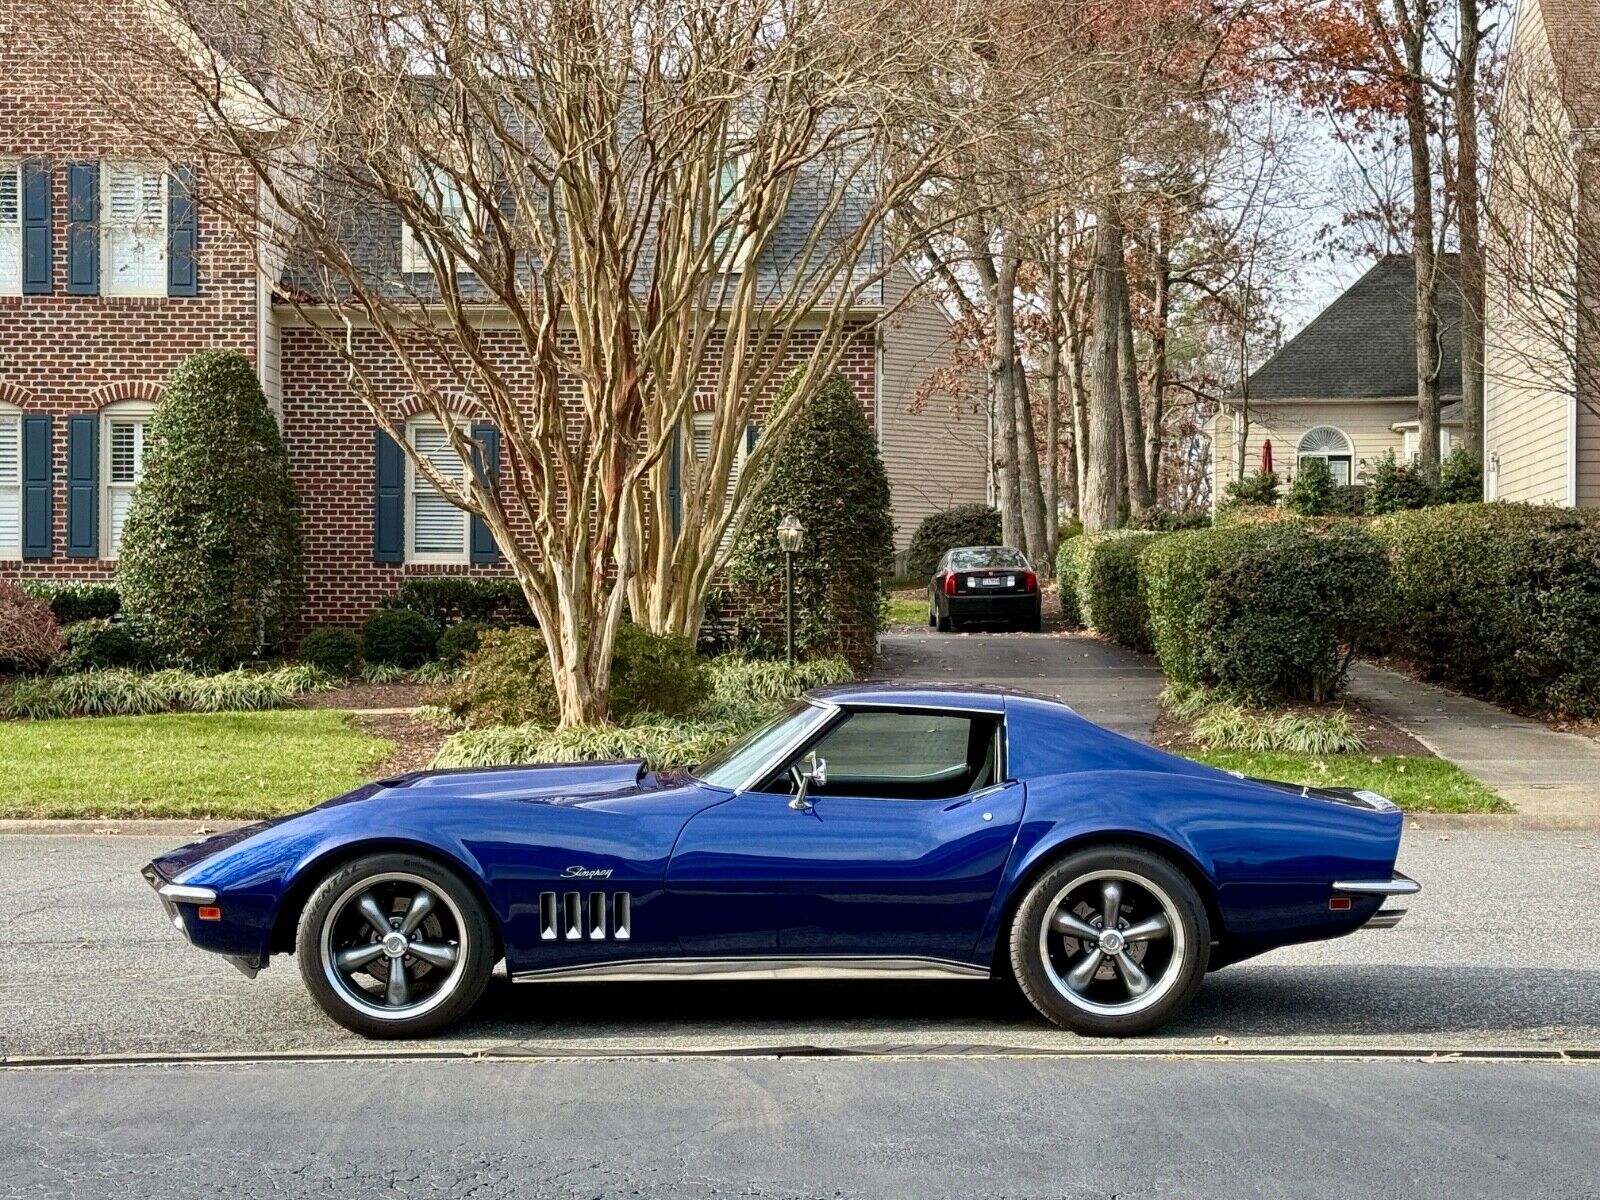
{"type": "Point", "coordinates": [83, 486]}
{"type": "Point", "coordinates": [83, 229]}
{"type": "Point", "coordinates": [752, 431]}
{"type": "Point", "coordinates": [487, 468]}
{"type": "Point", "coordinates": [389, 519]}
{"type": "Point", "coordinates": [183, 235]}
{"type": "Point", "coordinates": [36, 256]}
{"type": "Point", "coordinates": [37, 469]}
{"type": "Point", "coordinates": [675, 481]}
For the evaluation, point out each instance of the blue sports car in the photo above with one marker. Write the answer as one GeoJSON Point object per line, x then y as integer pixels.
{"type": "Point", "coordinates": [872, 830]}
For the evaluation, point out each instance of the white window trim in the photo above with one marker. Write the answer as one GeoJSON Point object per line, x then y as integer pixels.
{"type": "Point", "coordinates": [739, 239]}
{"type": "Point", "coordinates": [123, 410]}
{"type": "Point", "coordinates": [109, 285]}
{"type": "Point", "coordinates": [1328, 456]}
{"type": "Point", "coordinates": [414, 259]}
{"type": "Point", "coordinates": [10, 551]}
{"type": "Point", "coordinates": [413, 476]}
{"type": "Point", "coordinates": [13, 167]}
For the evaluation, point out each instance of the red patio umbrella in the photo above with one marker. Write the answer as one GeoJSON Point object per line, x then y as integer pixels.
{"type": "Point", "coordinates": [1266, 455]}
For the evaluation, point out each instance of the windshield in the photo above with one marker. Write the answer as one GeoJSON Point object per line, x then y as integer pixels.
{"type": "Point", "coordinates": [986, 556]}
{"type": "Point", "coordinates": [741, 760]}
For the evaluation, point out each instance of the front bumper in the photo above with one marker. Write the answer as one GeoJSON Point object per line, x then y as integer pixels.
{"type": "Point", "coordinates": [174, 898]}
{"type": "Point", "coordinates": [1396, 885]}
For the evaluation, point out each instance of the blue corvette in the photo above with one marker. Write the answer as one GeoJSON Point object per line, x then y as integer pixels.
{"type": "Point", "coordinates": [872, 830]}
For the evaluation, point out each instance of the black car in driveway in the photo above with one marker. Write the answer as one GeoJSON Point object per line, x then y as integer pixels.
{"type": "Point", "coordinates": [983, 585]}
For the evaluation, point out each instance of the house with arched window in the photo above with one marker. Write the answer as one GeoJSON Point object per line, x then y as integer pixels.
{"type": "Point", "coordinates": [1344, 389]}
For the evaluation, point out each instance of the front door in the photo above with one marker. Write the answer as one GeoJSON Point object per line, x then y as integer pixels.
{"type": "Point", "coordinates": [897, 854]}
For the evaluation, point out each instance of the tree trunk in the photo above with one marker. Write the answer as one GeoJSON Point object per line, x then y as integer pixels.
{"type": "Point", "coordinates": [1472, 254]}
{"type": "Point", "coordinates": [1133, 438]}
{"type": "Point", "coordinates": [1036, 541]}
{"type": "Point", "coordinates": [1101, 499]}
{"type": "Point", "coordinates": [1424, 258]}
{"type": "Point", "coordinates": [1052, 396]}
{"type": "Point", "coordinates": [1158, 360]}
{"type": "Point", "coordinates": [1003, 381]}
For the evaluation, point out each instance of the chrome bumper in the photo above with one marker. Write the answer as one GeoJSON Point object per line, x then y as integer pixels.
{"type": "Point", "coordinates": [1396, 885]}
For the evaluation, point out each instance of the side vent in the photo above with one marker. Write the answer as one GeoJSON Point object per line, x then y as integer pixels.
{"type": "Point", "coordinates": [597, 916]}
{"type": "Point", "coordinates": [572, 902]}
{"type": "Point", "coordinates": [622, 916]}
{"type": "Point", "coordinates": [547, 916]}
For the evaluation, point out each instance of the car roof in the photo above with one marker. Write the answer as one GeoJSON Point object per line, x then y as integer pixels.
{"type": "Point", "coordinates": [974, 697]}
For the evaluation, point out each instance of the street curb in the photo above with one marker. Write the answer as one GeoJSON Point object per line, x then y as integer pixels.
{"type": "Point", "coordinates": [190, 828]}
{"type": "Point", "coordinates": [1504, 822]}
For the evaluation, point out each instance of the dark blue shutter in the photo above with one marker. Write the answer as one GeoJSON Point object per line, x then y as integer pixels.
{"type": "Point", "coordinates": [83, 229]}
{"type": "Point", "coordinates": [389, 519]}
{"type": "Point", "coordinates": [752, 431]}
{"type": "Point", "coordinates": [675, 481]}
{"type": "Point", "coordinates": [38, 510]}
{"type": "Point", "coordinates": [83, 486]}
{"type": "Point", "coordinates": [183, 235]}
{"type": "Point", "coordinates": [36, 257]}
{"type": "Point", "coordinates": [487, 469]}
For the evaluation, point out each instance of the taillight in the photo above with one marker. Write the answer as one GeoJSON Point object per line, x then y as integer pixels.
{"type": "Point", "coordinates": [1030, 581]}
{"type": "Point", "coordinates": [950, 584]}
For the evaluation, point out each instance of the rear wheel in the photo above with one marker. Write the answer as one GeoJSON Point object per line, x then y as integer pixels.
{"type": "Point", "coordinates": [395, 946]}
{"type": "Point", "coordinates": [1111, 941]}
{"type": "Point", "coordinates": [943, 622]}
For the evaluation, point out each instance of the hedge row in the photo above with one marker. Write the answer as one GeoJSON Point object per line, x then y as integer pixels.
{"type": "Point", "coordinates": [1097, 576]}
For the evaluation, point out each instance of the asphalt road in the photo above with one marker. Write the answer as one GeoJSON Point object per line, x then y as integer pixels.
{"type": "Point", "coordinates": [919, 1128]}
{"type": "Point", "coordinates": [1501, 949]}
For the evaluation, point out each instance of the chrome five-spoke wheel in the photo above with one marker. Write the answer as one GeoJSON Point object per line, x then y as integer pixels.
{"type": "Point", "coordinates": [394, 945]}
{"type": "Point", "coordinates": [1111, 940]}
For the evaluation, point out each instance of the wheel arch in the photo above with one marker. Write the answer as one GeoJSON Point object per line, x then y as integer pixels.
{"type": "Point", "coordinates": [1043, 860]}
{"type": "Point", "coordinates": [311, 873]}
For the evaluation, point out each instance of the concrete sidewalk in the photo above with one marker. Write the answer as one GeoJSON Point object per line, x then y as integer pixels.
{"type": "Point", "coordinates": [1552, 778]}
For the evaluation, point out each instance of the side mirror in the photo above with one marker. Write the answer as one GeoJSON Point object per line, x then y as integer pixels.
{"type": "Point", "coordinates": [810, 770]}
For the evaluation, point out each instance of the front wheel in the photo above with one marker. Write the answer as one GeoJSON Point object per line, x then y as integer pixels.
{"type": "Point", "coordinates": [395, 946]}
{"type": "Point", "coordinates": [1111, 941]}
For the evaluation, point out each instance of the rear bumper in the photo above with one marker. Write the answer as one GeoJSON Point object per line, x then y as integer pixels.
{"type": "Point", "coordinates": [1008, 606]}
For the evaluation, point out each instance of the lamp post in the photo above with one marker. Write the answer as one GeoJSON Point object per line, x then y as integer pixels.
{"type": "Point", "coordinates": [791, 535]}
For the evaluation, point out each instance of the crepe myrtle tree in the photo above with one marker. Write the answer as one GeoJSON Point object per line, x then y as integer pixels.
{"type": "Point", "coordinates": [606, 185]}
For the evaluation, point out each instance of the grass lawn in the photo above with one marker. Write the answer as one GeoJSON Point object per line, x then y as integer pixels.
{"type": "Point", "coordinates": [182, 764]}
{"type": "Point", "coordinates": [907, 610]}
{"type": "Point", "coordinates": [1415, 784]}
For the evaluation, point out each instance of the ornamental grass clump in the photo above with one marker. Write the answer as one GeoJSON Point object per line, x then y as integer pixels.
{"type": "Point", "coordinates": [30, 636]}
{"type": "Point", "coordinates": [120, 692]}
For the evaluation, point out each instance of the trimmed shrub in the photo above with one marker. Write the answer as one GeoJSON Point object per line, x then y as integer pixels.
{"type": "Point", "coordinates": [1349, 500]}
{"type": "Point", "coordinates": [1460, 478]}
{"type": "Point", "coordinates": [74, 602]}
{"type": "Point", "coordinates": [1165, 520]}
{"type": "Point", "coordinates": [1257, 488]}
{"type": "Point", "coordinates": [1502, 600]}
{"type": "Point", "coordinates": [447, 598]}
{"type": "Point", "coordinates": [95, 645]}
{"type": "Point", "coordinates": [1265, 612]}
{"type": "Point", "coordinates": [332, 648]}
{"type": "Point", "coordinates": [1098, 575]}
{"type": "Point", "coordinates": [1395, 487]}
{"type": "Point", "coordinates": [210, 555]}
{"type": "Point", "coordinates": [1311, 493]}
{"type": "Point", "coordinates": [827, 472]}
{"type": "Point", "coordinates": [461, 639]}
{"type": "Point", "coordinates": [655, 672]}
{"type": "Point", "coordinates": [963, 525]}
{"type": "Point", "coordinates": [30, 635]}
{"type": "Point", "coordinates": [398, 637]}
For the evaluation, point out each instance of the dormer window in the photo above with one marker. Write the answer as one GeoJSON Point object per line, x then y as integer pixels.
{"type": "Point", "coordinates": [439, 192]}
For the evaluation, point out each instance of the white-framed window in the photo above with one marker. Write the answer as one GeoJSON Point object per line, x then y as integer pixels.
{"type": "Point", "coordinates": [442, 193]}
{"type": "Point", "coordinates": [10, 227]}
{"type": "Point", "coordinates": [1330, 445]}
{"type": "Point", "coordinates": [133, 229]}
{"type": "Point", "coordinates": [732, 242]}
{"type": "Point", "coordinates": [703, 424]}
{"type": "Point", "coordinates": [1411, 445]}
{"type": "Point", "coordinates": [436, 530]}
{"type": "Point", "coordinates": [10, 482]}
{"type": "Point", "coordinates": [122, 428]}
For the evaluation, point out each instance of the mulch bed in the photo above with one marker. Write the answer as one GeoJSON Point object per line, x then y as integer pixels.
{"type": "Point", "coordinates": [358, 696]}
{"type": "Point", "coordinates": [1383, 738]}
{"type": "Point", "coordinates": [415, 742]}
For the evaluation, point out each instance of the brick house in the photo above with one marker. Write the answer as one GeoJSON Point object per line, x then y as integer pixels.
{"type": "Point", "coordinates": [110, 275]}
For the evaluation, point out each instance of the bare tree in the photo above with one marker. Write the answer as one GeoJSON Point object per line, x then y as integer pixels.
{"type": "Point", "coordinates": [599, 199]}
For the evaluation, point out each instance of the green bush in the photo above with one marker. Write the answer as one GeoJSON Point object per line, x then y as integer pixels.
{"type": "Point", "coordinates": [74, 602]}
{"type": "Point", "coordinates": [829, 474]}
{"type": "Point", "coordinates": [1349, 500]}
{"type": "Point", "coordinates": [1226, 726]}
{"type": "Point", "coordinates": [1396, 487]}
{"type": "Point", "coordinates": [210, 554]}
{"type": "Point", "coordinates": [30, 636]}
{"type": "Point", "coordinates": [963, 525]}
{"type": "Point", "coordinates": [664, 745]}
{"type": "Point", "coordinates": [1460, 478]}
{"type": "Point", "coordinates": [1098, 576]}
{"type": "Point", "coordinates": [97, 644]}
{"type": "Point", "coordinates": [1502, 600]}
{"type": "Point", "coordinates": [461, 639]}
{"type": "Point", "coordinates": [446, 598]}
{"type": "Point", "coordinates": [398, 637]}
{"type": "Point", "coordinates": [1257, 488]}
{"type": "Point", "coordinates": [656, 673]}
{"type": "Point", "coordinates": [1268, 611]}
{"type": "Point", "coordinates": [335, 649]}
{"type": "Point", "coordinates": [1311, 493]}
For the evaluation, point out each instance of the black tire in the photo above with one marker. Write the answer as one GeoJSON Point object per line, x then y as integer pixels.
{"type": "Point", "coordinates": [1034, 623]}
{"type": "Point", "coordinates": [945, 623]}
{"type": "Point", "coordinates": [334, 919]}
{"type": "Point", "coordinates": [933, 615]}
{"type": "Point", "coordinates": [1042, 965]}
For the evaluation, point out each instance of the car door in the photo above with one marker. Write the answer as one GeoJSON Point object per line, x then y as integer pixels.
{"type": "Point", "coordinates": [898, 854]}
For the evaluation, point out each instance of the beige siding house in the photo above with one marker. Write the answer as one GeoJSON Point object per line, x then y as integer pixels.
{"type": "Point", "coordinates": [1542, 327]}
{"type": "Point", "coordinates": [1344, 388]}
{"type": "Point", "coordinates": [935, 444]}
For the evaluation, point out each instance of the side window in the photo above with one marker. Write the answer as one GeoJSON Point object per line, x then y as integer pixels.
{"type": "Point", "coordinates": [904, 756]}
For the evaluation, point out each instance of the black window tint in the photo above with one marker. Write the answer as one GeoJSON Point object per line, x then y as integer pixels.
{"type": "Point", "coordinates": [986, 556]}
